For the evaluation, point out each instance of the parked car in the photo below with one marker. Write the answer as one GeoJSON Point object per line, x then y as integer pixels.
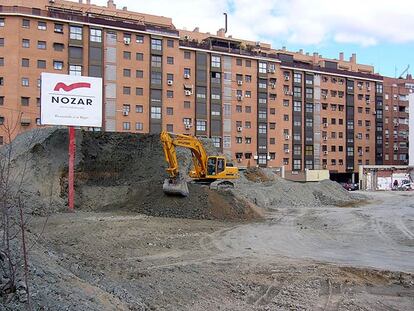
{"type": "Point", "coordinates": [406, 185]}
{"type": "Point", "coordinates": [350, 186]}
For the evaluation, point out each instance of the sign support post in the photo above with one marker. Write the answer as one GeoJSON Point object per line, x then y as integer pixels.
{"type": "Point", "coordinates": [71, 173]}
{"type": "Point", "coordinates": [71, 101]}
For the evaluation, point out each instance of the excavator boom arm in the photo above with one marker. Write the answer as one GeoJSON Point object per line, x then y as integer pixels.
{"type": "Point", "coordinates": [199, 155]}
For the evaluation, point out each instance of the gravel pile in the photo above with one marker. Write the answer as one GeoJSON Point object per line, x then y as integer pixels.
{"type": "Point", "coordinates": [267, 190]}
{"type": "Point", "coordinates": [113, 171]}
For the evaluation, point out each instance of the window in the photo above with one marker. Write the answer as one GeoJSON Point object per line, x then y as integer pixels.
{"type": "Point", "coordinates": [25, 62]}
{"type": "Point", "coordinates": [25, 101]}
{"type": "Point", "coordinates": [41, 64]}
{"type": "Point", "coordinates": [248, 63]}
{"type": "Point", "coordinates": [26, 23]}
{"type": "Point", "coordinates": [139, 126]}
{"type": "Point", "coordinates": [1, 61]}
{"type": "Point", "coordinates": [58, 46]}
{"type": "Point", "coordinates": [1, 41]}
{"type": "Point", "coordinates": [156, 112]}
{"type": "Point", "coordinates": [139, 56]}
{"type": "Point", "coordinates": [139, 108]}
{"type": "Point", "coordinates": [156, 44]}
{"type": "Point", "coordinates": [272, 141]}
{"type": "Point", "coordinates": [139, 91]}
{"type": "Point", "coordinates": [59, 28]}
{"type": "Point", "coordinates": [1, 100]}
{"type": "Point", "coordinates": [25, 43]}
{"type": "Point", "coordinates": [262, 129]}
{"type": "Point", "coordinates": [238, 108]}
{"type": "Point", "coordinates": [239, 62]}
{"type": "Point", "coordinates": [41, 45]}
{"type": "Point", "coordinates": [139, 39]}
{"type": "Point", "coordinates": [248, 78]}
{"type": "Point", "coordinates": [170, 111]}
{"type": "Point", "coordinates": [127, 38]}
{"type": "Point", "coordinates": [41, 25]}
{"type": "Point", "coordinates": [156, 77]}
{"type": "Point", "coordinates": [297, 91]}
{"type": "Point", "coordinates": [285, 117]}
{"type": "Point", "coordinates": [57, 65]}
{"type": "Point", "coordinates": [1, 22]}
{"type": "Point", "coordinates": [75, 33]}
{"type": "Point", "coordinates": [262, 83]}
{"type": "Point", "coordinates": [262, 67]}
{"type": "Point", "coordinates": [156, 61]}
{"type": "Point", "coordinates": [1, 81]}
{"type": "Point", "coordinates": [127, 72]}
{"type": "Point", "coordinates": [297, 164]}
{"type": "Point", "coordinates": [170, 43]}
{"type": "Point", "coordinates": [187, 72]}
{"type": "Point", "coordinates": [297, 77]}
{"type": "Point", "coordinates": [25, 81]}
{"type": "Point", "coordinates": [215, 61]}
{"type": "Point", "coordinates": [170, 94]}
{"type": "Point", "coordinates": [126, 126]}
{"type": "Point", "coordinates": [187, 121]}
{"type": "Point", "coordinates": [309, 93]}
{"type": "Point", "coordinates": [309, 107]}
{"type": "Point", "coordinates": [297, 106]}
{"type": "Point", "coordinates": [126, 55]}
{"type": "Point", "coordinates": [272, 125]}
{"type": "Point", "coordinates": [75, 70]}
{"type": "Point", "coordinates": [96, 35]}
{"type": "Point", "coordinates": [272, 111]}
{"type": "Point", "coordinates": [248, 109]}
{"type": "Point", "coordinates": [187, 55]}
{"type": "Point", "coordinates": [262, 114]}
{"type": "Point", "coordinates": [309, 122]}
{"type": "Point", "coordinates": [201, 125]}
{"type": "Point", "coordinates": [239, 140]}
{"type": "Point", "coordinates": [170, 60]}
{"type": "Point", "coordinates": [126, 90]}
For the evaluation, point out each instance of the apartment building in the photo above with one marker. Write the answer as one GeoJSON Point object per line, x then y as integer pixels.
{"type": "Point", "coordinates": [261, 106]}
{"type": "Point", "coordinates": [396, 119]}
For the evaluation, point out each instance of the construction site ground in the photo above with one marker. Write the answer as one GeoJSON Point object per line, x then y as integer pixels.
{"type": "Point", "coordinates": [324, 258]}
{"type": "Point", "coordinates": [267, 244]}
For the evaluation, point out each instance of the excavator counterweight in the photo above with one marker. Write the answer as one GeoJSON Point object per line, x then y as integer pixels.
{"type": "Point", "coordinates": [206, 169]}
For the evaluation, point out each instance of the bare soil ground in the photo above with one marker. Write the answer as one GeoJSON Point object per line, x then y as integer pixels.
{"type": "Point", "coordinates": [361, 260]}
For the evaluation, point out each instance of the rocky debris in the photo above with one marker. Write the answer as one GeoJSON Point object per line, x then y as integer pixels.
{"type": "Point", "coordinates": [114, 171]}
{"type": "Point", "coordinates": [269, 191]}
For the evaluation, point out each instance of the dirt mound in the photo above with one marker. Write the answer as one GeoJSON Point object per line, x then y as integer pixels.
{"type": "Point", "coordinates": [115, 171]}
{"type": "Point", "coordinates": [257, 175]}
{"type": "Point", "coordinates": [267, 190]}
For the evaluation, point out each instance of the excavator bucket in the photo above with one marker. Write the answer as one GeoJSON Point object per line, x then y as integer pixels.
{"type": "Point", "coordinates": [175, 186]}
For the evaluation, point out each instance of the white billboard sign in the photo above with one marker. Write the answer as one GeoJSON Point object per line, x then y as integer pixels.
{"type": "Point", "coordinates": [71, 100]}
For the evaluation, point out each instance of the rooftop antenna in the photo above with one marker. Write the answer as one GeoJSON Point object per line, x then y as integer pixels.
{"type": "Point", "coordinates": [225, 22]}
{"type": "Point", "coordinates": [404, 72]}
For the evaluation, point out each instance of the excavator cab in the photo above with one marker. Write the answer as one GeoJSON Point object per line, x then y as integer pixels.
{"type": "Point", "coordinates": [217, 168]}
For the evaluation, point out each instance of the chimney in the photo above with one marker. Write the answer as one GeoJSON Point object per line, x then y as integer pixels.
{"type": "Point", "coordinates": [111, 4]}
{"type": "Point", "coordinates": [221, 32]}
{"type": "Point", "coordinates": [80, 1]}
{"type": "Point", "coordinates": [88, 2]}
{"type": "Point", "coordinates": [301, 51]}
{"type": "Point", "coordinates": [409, 76]}
{"type": "Point", "coordinates": [197, 29]}
{"type": "Point", "coordinates": [352, 59]}
{"type": "Point", "coordinates": [283, 48]}
{"type": "Point", "coordinates": [124, 8]}
{"type": "Point", "coordinates": [341, 56]}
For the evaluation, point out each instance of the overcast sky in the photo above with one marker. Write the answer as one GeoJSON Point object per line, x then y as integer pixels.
{"type": "Point", "coordinates": [380, 32]}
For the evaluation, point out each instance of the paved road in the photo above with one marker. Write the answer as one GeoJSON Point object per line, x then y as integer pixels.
{"type": "Point", "coordinates": [378, 235]}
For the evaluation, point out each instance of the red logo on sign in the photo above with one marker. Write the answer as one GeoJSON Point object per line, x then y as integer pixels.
{"type": "Point", "coordinates": [67, 88]}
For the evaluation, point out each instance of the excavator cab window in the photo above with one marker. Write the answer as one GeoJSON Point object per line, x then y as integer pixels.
{"type": "Point", "coordinates": [221, 165]}
{"type": "Point", "coordinates": [211, 166]}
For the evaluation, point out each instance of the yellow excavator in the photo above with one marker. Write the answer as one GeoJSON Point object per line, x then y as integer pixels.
{"type": "Point", "coordinates": [207, 169]}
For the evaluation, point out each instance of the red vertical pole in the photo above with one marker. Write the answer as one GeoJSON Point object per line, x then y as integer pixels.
{"type": "Point", "coordinates": [71, 194]}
